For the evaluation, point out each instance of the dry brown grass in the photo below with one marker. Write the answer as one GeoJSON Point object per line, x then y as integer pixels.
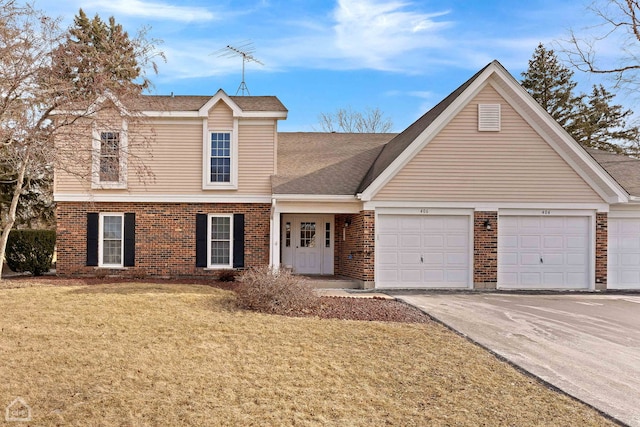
{"type": "Point", "coordinates": [156, 354]}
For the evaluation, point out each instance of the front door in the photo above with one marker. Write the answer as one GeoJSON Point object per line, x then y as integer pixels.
{"type": "Point", "coordinates": [307, 243]}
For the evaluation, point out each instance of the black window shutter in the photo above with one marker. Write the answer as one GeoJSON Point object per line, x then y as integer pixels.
{"type": "Point", "coordinates": [238, 240]}
{"type": "Point", "coordinates": [92, 238]}
{"type": "Point", "coordinates": [129, 239]}
{"type": "Point", "coordinates": [201, 240]}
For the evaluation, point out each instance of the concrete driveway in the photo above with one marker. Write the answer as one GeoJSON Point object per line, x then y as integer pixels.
{"type": "Point", "coordinates": [587, 345]}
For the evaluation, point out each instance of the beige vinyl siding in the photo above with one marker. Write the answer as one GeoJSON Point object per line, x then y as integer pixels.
{"type": "Point", "coordinates": [256, 161]}
{"type": "Point", "coordinates": [220, 117]}
{"type": "Point", "coordinates": [512, 165]}
{"type": "Point", "coordinates": [175, 159]}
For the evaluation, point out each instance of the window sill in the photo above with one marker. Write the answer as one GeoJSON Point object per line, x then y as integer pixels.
{"type": "Point", "coordinates": [220, 267]}
{"type": "Point", "coordinates": [109, 186]}
{"type": "Point", "coordinates": [219, 187]}
{"type": "Point", "coordinates": [110, 267]}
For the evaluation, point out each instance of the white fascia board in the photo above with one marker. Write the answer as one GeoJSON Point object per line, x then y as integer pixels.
{"type": "Point", "coordinates": [535, 108]}
{"type": "Point", "coordinates": [278, 115]}
{"type": "Point", "coordinates": [486, 206]}
{"type": "Point", "coordinates": [428, 134]}
{"type": "Point", "coordinates": [263, 114]}
{"type": "Point", "coordinates": [317, 207]}
{"type": "Point", "coordinates": [314, 198]}
{"type": "Point", "coordinates": [171, 114]}
{"type": "Point", "coordinates": [133, 198]}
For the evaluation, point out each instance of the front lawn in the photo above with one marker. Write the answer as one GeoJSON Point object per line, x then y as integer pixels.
{"type": "Point", "coordinates": [134, 354]}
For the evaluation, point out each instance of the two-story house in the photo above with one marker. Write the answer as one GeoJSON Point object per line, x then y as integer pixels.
{"type": "Point", "coordinates": [485, 190]}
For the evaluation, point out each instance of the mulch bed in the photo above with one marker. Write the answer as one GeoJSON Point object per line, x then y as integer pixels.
{"type": "Point", "coordinates": [367, 309]}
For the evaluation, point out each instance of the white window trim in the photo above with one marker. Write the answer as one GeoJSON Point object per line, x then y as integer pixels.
{"type": "Point", "coordinates": [95, 161]}
{"type": "Point", "coordinates": [206, 156]}
{"type": "Point", "coordinates": [219, 266]}
{"type": "Point", "coordinates": [101, 240]}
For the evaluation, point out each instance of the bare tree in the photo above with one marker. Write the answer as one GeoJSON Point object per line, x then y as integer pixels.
{"type": "Point", "coordinates": [49, 91]}
{"type": "Point", "coordinates": [346, 120]}
{"type": "Point", "coordinates": [619, 29]}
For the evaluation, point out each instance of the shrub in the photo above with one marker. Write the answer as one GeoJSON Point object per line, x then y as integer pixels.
{"type": "Point", "coordinates": [227, 275]}
{"type": "Point", "coordinates": [30, 250]}
{"type": "Point", "coordinates": [268, 291]}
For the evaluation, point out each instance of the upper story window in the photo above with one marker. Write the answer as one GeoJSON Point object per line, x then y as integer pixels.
{"type": "Point", "coordinates": [109, 169]}
{"type": "Point", "coordinates": [220, 160]}
{"type": "Point", "coordinates": [109, 156]}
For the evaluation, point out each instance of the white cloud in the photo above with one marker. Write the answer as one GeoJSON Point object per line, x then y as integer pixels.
{"type": "Point", "coordinates": [376, 33]}
{"type": "Point", "coordinates": [158, 10]}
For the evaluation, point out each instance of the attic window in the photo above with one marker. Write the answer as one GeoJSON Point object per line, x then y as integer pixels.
{"type": "Point", "coordinates": [489, 117]}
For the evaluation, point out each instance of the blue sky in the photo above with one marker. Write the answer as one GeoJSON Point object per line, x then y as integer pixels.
{"type": "Point", "coordinates": [401, 56]}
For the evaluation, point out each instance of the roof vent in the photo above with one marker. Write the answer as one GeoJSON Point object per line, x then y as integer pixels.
{"type": "Point", "coordinates": [489, 117]}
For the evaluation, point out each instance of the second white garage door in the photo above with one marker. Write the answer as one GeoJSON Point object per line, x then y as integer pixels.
{"type": "Point", "coordinates": [543, 252]}
{"type": "Point", "coordinates": [624, 253]}
{"type": "Point", "coordinates": [423, 251]}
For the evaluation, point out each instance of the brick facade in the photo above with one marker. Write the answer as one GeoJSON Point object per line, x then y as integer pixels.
{"type": "Point", "coordinates": [355, 246]}
{"type": "Point", "coordinates": [485, 250]}
{"type": "Point", "coordinates": [165, 236]}
{"type": "Point", "coordinates": [601, 250]}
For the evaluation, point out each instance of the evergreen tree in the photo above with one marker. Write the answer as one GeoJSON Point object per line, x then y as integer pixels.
{"type": "Point", "coordinates": [603, 126]}
{"type": "Point", "coordinates": [590, 119]}
{"type": "Point", "coordinates": [550, 83]}
{"type": "Point", "coordinates": [98, 56]}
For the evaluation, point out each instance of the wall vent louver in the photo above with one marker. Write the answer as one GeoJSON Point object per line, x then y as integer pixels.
{"type": "Point", "coordinates": [488, 117]}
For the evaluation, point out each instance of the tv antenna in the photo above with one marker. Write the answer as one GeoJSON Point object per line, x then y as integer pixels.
{"type": "Point", "coordinates": [246, 50]}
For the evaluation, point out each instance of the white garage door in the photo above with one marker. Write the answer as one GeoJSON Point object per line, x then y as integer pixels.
{"type": "Point", "coordinates": [624, 253]}
{"type": "Point", "coordinates": [543, 252]}
{"type": "Point", "coordinates": [422, 251]}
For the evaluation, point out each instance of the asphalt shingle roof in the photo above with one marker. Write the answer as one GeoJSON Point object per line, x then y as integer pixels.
{"type": "Point", "coordinates": [194, 103]}
{"type": "Point", "coordinates": [325, 163]}
{"type": "Point", "coordinates": [624, 169]}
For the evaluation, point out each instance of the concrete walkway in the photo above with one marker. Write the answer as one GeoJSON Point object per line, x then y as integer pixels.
{"type": "Point", "coordinates": [587, 345]}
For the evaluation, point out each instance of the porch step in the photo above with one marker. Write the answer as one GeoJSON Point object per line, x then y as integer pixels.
{"type": "Point", "coordinates": [331, 282]}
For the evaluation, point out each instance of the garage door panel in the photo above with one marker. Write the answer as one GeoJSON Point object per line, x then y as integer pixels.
{"type": "Point", "coordinates": [624, 253]}
{"type": "Point", "coordinates": [388, 258]}
{"type": "Point", "coordinates": [436, 259]}
{"type": "Point", "coordinates": [388, 240]}
{"type": "Point", "coordinates": [459, 275]}
{"type": "Point", "coordinates": [532, 242]}
{"type": "Point", "coordinates": [411, 275]}
{"type": "Point", "coordinates": [457, 259]}
{"type": "Point", "coordinates": [509, 259]}
{"type": "Point", "coordinates": [551, 252]}
{"type": "Point", "coordinates": [430, 241]}
{"type": "Point", "coordinates": [629, 260]}
{"type": "Point", "coordinates": [430, 251]}
{"type": "Point", "coordinates": [629, 242]}
{"type": "Point", "coordinates": [409, 259]}
{"type": "Point", "coordinates": [410, 241]}
{"type": "Point", "coordinates": [409, 223]}
{"type": "Point", "coordinates": [553, 242]}
{"type": "Point", "coordinates": [457, 240]}
{"type": "Point", "coordinates": [528, 259]}
{"type": "Point", "coordinates": [577, 277]}
{"type": "Point", "coordinates": [576, 242]}
{"type": "Point", "coordinates": [554, 259]}
{"type": "Point", "coordinates": [433, 276]}
{"type": "Point", "coordinates": [529, 279]}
